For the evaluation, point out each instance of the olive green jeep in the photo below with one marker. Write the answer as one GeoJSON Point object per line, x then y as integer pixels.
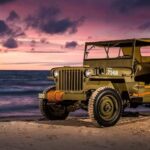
{"type": "Point", "coordinates": [115, 75]}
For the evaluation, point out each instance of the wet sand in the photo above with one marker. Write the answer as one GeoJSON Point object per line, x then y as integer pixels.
{"type": "Point", "coordinates": [36, 133]}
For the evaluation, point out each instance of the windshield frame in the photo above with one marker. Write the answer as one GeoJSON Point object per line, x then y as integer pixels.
{"type": "Point", "coordinates": [107, 50]}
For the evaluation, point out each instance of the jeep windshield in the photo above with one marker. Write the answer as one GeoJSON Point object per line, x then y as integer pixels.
{"type": "Point", "coordinates": [117, 49]}
{"type": "Point", "coordinates": [97, 52]}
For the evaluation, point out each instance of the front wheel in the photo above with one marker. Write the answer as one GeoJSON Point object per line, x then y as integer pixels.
{"type": "Point", "coordinates": [53, 111]}
{"type": "Point", "coordinates": [105, 107]}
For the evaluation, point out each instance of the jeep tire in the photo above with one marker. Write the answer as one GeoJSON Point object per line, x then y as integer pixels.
{"type": "Point", "coordinates": [105, 107]}
{"type": "Point", "coordinates": [52, 111]}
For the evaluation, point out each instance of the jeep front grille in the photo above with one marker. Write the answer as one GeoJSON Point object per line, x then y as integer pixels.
{"type": "Point", "coordinates": [70, 80]}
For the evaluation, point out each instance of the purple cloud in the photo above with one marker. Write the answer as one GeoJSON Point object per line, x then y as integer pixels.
{"type": "Point", "coordinates": [72, 44]}
{"type": "Point", "coordinates": [13, 16]}
{"type": "Point", "coordinates": [47, 20]}
{"type": "Point", "coordinates": [125, 6]}
{"type": "Point", "coordinates": [5, 1]}
{"type": "Point", "coordinates": [4, 29]}
{"type": "Point", "coordinates": [10, 43]}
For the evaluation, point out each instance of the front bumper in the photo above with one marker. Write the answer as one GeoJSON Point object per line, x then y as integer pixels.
{"type": "Point", "coordinates": [56, 96]}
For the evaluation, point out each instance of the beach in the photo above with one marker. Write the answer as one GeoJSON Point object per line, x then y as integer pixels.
{"type": "Point", "coordinates": [23, 128]}
{"type": "Point", "coordinates": [36, 133]}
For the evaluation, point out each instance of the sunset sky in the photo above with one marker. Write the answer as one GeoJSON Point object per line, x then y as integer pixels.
{"type": "Point", "coordinates": [41, 34]}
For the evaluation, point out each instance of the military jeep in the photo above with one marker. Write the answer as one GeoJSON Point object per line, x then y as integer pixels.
{"type": "Point", "coordinates": [115, 75]}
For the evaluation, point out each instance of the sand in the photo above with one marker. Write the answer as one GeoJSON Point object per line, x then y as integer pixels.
{"type": "Point", "coordinates": [73, 134]}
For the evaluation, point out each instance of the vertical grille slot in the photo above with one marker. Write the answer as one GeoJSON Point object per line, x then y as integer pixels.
{"type": "Point", "coordinates": [70, 80]}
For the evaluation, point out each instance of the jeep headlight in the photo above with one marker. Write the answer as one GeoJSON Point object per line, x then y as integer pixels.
{"type": "Point", "coordinates": [88, 73]}
{"type": "Point", "coordinates": [55, 73]}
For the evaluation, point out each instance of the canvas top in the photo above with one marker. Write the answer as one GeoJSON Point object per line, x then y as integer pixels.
{"type": "Point", "coordinates": [122, 43]}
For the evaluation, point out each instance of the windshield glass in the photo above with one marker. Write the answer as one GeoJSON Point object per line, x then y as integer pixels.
{"type": "Point", "coordinates": [145, 51]}
{"type": "Point", "coordinates": [97, 52]}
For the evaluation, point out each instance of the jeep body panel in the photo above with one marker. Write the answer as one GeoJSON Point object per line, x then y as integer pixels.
{"type": "Point", "coordinates": [124, 73]}
{"type": "Point", "coordinates": [105, 85]}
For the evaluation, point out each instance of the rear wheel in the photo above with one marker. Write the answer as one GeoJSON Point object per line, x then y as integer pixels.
{"type": "Point", "coordinates": [105, 107]}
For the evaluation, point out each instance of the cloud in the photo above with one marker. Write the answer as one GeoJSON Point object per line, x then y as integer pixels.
{"type": "Point", "coordinates": [47, 20]}
{"type": "Point", "coordinates": [13, 16]}
{"type": "Point", "coordinates": [60, 26]}
{"type": "Point", "coordinates": [16, 31]}
{"type": "Point", "coordinates": [10, 43]}
{"type": "Point", "coordinates": [125, 6]}
{"type": "Point", "coordinates": [4, 29]}
{"type": "Point", "coordinates": [5, 1]}
{"type": "Point", "coordinates": [145, 26]}
{"type": "Point", "coordinates": [44, 40]}
{"type": "Point", "coordinates": [72, 44]}
{"type": "Point", "coordinates": [12, 27]}
{"type": "Point", "coordinates": [42, 16]}
{"type": "Point", "coordinates": [33, 43]}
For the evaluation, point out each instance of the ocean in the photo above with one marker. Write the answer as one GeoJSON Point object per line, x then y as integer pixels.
{"type": "Point", "coordinates": [19, 92]}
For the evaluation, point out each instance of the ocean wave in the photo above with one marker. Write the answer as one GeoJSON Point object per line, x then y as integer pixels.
{"type": "Point", "coordinates": [20, 90]}
{"type": "Point", "coordinates": [19, 105]}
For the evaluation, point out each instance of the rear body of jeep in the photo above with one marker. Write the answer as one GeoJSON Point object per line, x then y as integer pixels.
{"type": "Point", "coordinates": [100, 83]}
